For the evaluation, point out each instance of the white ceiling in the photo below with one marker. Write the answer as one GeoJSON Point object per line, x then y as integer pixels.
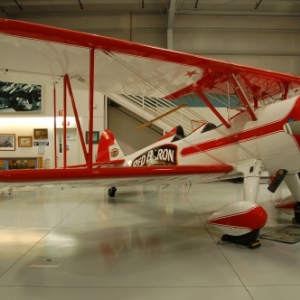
{"type": "Point", "coordinates": [19, 9]}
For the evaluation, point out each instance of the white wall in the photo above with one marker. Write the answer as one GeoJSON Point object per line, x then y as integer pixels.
{"type": "Point", "coordinates": [266, 42]}
{"type": "Point", "coordinates": [23, 123]}
{"type": "Point", "coordinates": [271, 42]}
{"type": "Point", "coordinates": [124, 130]}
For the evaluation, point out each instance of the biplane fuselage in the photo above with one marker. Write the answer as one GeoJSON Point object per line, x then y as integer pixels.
{"type": "Point", "coordinates": [265, 139]}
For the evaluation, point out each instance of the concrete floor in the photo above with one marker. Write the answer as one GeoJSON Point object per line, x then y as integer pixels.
{"type": "Point", "coordinates": [144, 244]}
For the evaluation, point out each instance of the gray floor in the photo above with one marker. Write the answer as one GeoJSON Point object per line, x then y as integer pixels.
{"type": "Point", "coordinates": [145, 244]}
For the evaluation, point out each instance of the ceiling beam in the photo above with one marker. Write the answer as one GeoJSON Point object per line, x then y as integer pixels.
{"type": "Point", "coordinates": [171, 17]}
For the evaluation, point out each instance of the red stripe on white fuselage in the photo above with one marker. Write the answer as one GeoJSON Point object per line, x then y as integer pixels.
{"type": "Point", "coordinates": [255, 132]}
{"type": "Point", "coordinates": [264, 139]}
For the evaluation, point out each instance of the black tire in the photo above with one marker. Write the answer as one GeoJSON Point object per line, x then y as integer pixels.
{"type": "Point", "coordinates": [297, 212]}
{"type": "Point", "coordinates": [112, 191]}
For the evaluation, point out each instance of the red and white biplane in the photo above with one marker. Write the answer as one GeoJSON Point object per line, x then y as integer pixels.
{"type": "Point", "coordinates": [264, 134]}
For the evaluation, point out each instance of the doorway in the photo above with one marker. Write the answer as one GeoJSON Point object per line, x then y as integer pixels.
{"type": "Point", "coordinates": [72, 147]}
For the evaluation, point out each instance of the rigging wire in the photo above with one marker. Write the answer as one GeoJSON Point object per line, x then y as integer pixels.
{"type": "Point", "coordinates": [134, 71]}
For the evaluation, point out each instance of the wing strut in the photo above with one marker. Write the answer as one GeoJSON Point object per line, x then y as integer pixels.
{"type": "Point", "coordinates": [55, 128]}
{"type": "Point", "coordinates": [68, 84]}
{"type": "Point", "coordinates": [67, 87]}
{"type": "Point", "coordinates": [242, 96]}
{"type": "Point", "coordinates": [286, 91]}
{"type": "Point", "coordinates": [91, 107]}
{"type": "Point", "coordinates": [206, 101]}
{"type": "Point", "coordinates": [65, 123]}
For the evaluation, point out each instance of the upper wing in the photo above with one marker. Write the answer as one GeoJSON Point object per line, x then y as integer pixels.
{"type": "Point", "coordinates": [43, 55]}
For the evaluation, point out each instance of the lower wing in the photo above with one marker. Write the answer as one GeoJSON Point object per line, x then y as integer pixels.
{"type": "Point", "coordinates": [154, 175]}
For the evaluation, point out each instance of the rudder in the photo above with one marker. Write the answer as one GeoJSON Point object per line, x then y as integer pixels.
{"type": "Point", "coordinates": [109, 151]}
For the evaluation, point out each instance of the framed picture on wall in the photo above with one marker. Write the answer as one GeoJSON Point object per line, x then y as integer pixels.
{"type": "Point", "coordinates": [40, 133]}
{"type": "Point", "coordinates": [25, 141]}
{"type": "Point", "coordinates": [95, 137]}
{"type": "Point", "coordinates": [20, 97]}
{"type": "Point", "coordinates": [7, 142]}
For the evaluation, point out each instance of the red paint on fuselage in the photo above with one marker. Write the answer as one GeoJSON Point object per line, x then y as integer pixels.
{"type": "Point", "coordinates": [242, 136]}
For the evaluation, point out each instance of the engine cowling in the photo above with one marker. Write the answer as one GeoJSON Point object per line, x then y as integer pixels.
{"type": "Point", "coordinates": [239, 218]}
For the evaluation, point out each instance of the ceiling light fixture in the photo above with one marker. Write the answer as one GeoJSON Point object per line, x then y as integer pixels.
{"type": "Point", "coordinates": [196, 4]}
{"type": "Point", "coordinates": [143, 4]}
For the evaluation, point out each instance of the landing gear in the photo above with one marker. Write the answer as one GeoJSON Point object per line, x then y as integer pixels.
{"type": "Point", "coordinates": [112, 191]}
{"type": "Point", "coordinates": [9, 191]}
{"type": "Point", "coordinates": [249, 239]}
{"type": "Point", "coordinates": [296, 219]}
{"type": "Point", "coordinates": [293, 183]}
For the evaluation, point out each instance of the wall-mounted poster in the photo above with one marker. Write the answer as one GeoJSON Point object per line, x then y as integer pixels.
{"type": "Point", "coordinates": [40, 133]}
{"type": "Point", "coordinates": [95, 137]}
{"type": "Point", "coordinates": [15, 97]}
{"type": "Point", "coordinates": [25, 141]}
{"type": "Point", "coordinates": [7, 142]}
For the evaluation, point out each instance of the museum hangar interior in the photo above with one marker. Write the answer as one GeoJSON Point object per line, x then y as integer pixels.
{"type": "Point", "coordinates": [148, 241]}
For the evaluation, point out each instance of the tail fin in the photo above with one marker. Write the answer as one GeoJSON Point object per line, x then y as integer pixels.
{"type": "Point", "coordinates": [109, 151]}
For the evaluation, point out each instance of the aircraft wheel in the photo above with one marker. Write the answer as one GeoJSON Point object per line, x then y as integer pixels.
{"type": "Point", "coordinates": [296, 220]}
{"type": "Point", "coordinates": [112, 191]}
